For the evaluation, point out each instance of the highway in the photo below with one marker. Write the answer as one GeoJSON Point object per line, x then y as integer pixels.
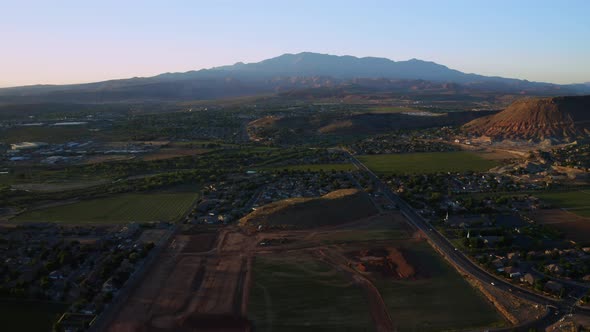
{"type": "Point", "coordinates": [556, 308]}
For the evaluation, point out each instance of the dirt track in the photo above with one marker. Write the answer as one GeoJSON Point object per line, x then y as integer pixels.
{"type": "Point", "coordinates": [379, 313]}
{"type": "Point", "coordinates": [201, 283]}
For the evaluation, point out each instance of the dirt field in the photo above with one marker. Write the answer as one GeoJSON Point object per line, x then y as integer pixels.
{"type": "Point", "coordinates": [199, 281]}
{"type": "Point", "coordinates": [492, 154]}
{"type": "Point", "coordinates": [575, 227]}
{"type": "Point", "coordinates": [359, 275]}
{"type": "Point", "coordinates": [396, 271]}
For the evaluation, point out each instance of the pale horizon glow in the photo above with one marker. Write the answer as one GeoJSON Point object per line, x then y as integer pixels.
{"type": "Point", "coordinates": [68, 42]}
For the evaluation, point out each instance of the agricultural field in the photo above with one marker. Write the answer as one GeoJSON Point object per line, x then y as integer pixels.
{"type": "Point", "coordinates": [392, 109]}
{"type": "Point", "coordinates": [58, 186]}
{"type": "Point", "coordinates": [572, 226]}
{"type": "Point", "coordinates": [325, 299]}
{"type": "Point", "coordinates": [163, 206]}
{"type": "Point", "coordinates": [431, 162]}
{"type": "Point", "coordinates": [168, 153]}
{"type": "Point", "coordinates": [577, 201]}
{"type": "Point", "coordinates": [312, 167]}
{"type": "Point", "coordinates": [186, 148]}
{"type": "Point", "coordinates": [437, 298]}
{"type": "Point", "coordinates": [25, 315]}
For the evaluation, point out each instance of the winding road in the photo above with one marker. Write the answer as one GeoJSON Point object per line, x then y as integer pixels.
{"type": "Point", "coordinates": [557, 309]}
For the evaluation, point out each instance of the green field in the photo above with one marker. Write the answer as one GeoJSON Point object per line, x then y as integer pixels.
{"type": "Point", "coordinates": [23, 315]}
{"type": "Point", "coordinates": [379, 228]}
{"type": "Point", "coordinates": [312, 167]}
{"type": "Point", "coordinates": [301, 294]}
{"type": "Point", "coordinates": [440, 299]}
{"type": "Point", "coordinates": [121, 208]}
{"type": "Point", "coordinates": [431, 162]}
{"type": "Point", "coordinates": [392, 109]}
{"type": "Point", "coordinates": [45, 134]}
{"type": "Point", "coordinates": [348, 236]}
{"type": "Point", "coordinates": [577, 201]}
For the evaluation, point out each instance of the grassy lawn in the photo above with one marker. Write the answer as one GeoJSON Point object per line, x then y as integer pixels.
{"type": "Point", "coordinates": [313, 167]}
{"type": "Point", "coordinates": [121, 208]}
{"type": "Point", "coordinates": [22, 315]}
{"type": "Point", "coordinates": [300, 294]}
{"type": "Point", "coordinates": [432, 162]}
{"type": "Point", "coordinates": [577, 201]}
{"type": "Point", "coordinates": [440, 299]}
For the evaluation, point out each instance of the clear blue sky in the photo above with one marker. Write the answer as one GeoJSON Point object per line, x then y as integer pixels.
{"type": "Point", "coordinates": [82, 41]}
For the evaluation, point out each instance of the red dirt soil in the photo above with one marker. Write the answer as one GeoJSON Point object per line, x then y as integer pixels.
{"type": "Point", "coordinates": [390, 262]}
{"type": "Point", "coordinates": [537, 118]}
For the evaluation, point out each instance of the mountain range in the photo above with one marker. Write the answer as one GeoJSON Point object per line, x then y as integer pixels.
{"type": "Point", "coordinates": [284, 73]}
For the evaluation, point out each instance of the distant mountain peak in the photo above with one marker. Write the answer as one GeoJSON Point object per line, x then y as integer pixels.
{"type": "Point", "coordinates": [348, 67]}
{"type": "Point", "coordinates": [290, 71]}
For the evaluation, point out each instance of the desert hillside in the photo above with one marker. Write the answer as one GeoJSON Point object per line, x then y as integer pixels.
{"type": "Point", "coordinates": [336, 207]}
{"type": "Point", "coordinates": [290, 128]}
{"type": "Point", "coordinates": [537, 118]}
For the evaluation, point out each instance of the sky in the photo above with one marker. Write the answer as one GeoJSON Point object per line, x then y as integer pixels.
{"type": "Point", "coordinates": [62, 41]}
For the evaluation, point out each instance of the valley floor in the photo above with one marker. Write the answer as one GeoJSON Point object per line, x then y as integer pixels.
{"type": "Point", "coordinates": [370, 274]}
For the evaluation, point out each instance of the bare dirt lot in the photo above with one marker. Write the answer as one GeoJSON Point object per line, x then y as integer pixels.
{"type": "Point", "coordinates": [198, 283]}
{"type": "Point", "coordinates": [357, 275]}
{"type": "Point", "coordinates": [574, 227]}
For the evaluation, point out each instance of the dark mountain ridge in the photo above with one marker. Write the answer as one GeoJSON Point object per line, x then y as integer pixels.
{"type": "Point", "coordinates": [283, 73]}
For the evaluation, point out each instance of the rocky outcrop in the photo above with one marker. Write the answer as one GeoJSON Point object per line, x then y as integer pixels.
{"type": "Point", "coordinates": [560, 118]}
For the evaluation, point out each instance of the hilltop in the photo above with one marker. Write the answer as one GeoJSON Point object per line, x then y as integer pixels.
{"type": "Point", "coordinates": [561, 118]}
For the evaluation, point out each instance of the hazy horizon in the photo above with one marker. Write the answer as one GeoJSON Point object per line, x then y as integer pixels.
{"type": "Point", "coordinates": [71, 42]}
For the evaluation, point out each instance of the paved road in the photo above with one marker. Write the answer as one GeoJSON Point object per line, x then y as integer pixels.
{"type": "Point", "coordinates": [557, 308]}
